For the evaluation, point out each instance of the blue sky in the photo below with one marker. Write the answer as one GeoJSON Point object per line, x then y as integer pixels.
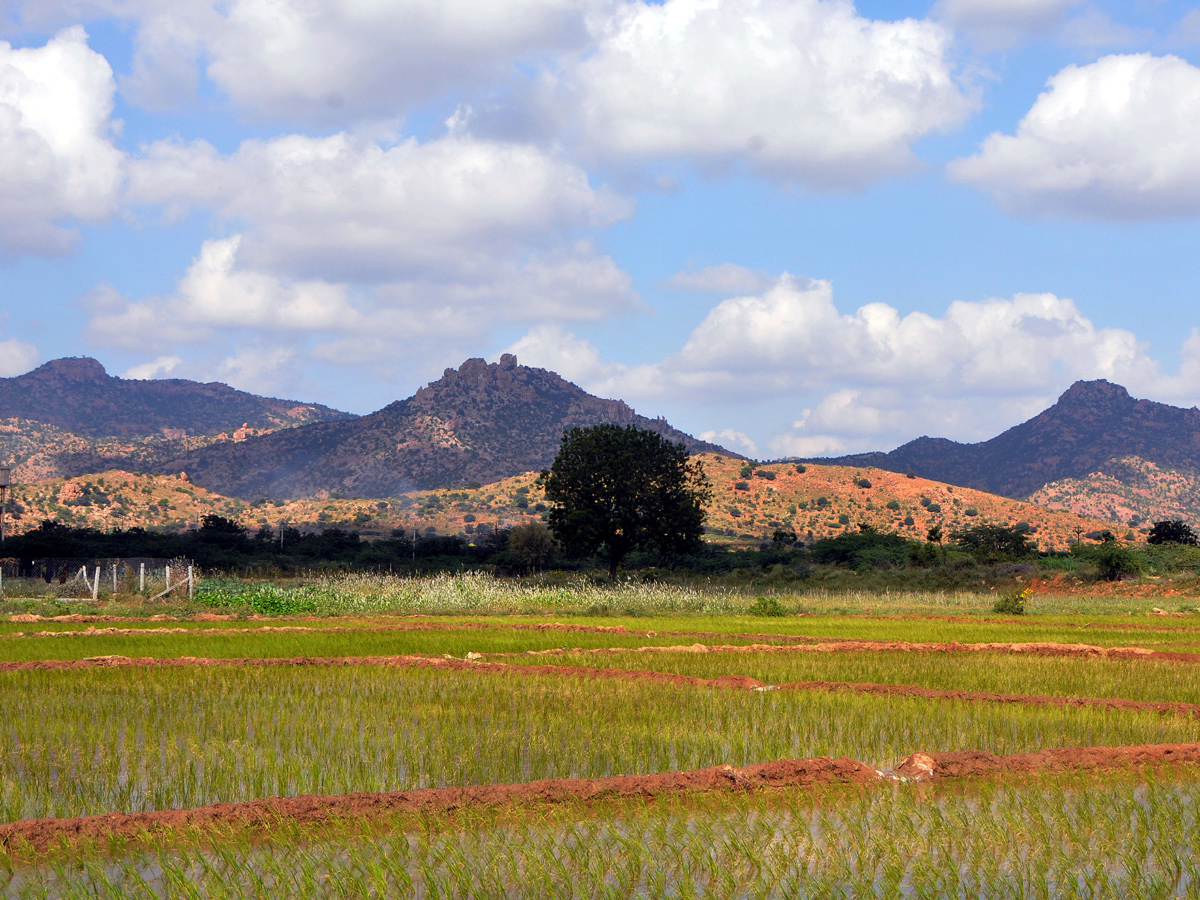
{"type": "Point", "coordinates": [793, 226]}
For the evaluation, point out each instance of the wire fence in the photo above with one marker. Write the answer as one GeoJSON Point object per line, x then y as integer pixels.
{"type": "Point", "coordinates": [82, 578]}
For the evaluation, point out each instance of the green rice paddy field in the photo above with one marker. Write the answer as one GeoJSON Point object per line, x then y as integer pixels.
{"type": "Point", "coordinates": [93, 738]}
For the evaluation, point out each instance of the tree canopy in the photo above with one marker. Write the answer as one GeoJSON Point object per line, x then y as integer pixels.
{"type": "Point", "coordinates": [1172, 531]}
{"type": "Point", "coordinates": [614, 489]}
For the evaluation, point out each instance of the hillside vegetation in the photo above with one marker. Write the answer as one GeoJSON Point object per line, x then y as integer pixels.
{"type": "Point", "coordinates": [750, 503]}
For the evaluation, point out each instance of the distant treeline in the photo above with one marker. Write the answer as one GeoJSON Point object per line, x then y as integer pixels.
{"type": "Point", "coordinates": [962, 558]}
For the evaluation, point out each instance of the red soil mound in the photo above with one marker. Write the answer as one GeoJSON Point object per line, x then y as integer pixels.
{"type": "Point", "coordinates": [40, 834]}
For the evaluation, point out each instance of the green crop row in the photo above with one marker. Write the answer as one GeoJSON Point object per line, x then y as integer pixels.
{"type": "Point", "coordinates": [1113, 837]}
{"type": "Point", "coordinates": [256, 644]}
{"type": "Point", "coordinates": [1049, 676]}
{"type": "Point", "coordinates": [93, 741]}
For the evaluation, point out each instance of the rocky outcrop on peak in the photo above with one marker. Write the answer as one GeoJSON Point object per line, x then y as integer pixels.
{"type": "Point", "coordinates": [476, 424]}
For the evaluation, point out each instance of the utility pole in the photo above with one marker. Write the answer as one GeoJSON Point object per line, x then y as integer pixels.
{"type": "Point", "coordinates": [5, 479]}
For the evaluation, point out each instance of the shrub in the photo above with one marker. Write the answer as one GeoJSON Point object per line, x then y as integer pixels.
{"type": "Point", "coordinates": [863, 482]}
{"type": "Point", "coordinates": [971, 511]}
{"type": "Point", "coordinates": [765, 473]}
{"type": "Point", "coordinates": [800, 470]}
{"type": "Point", "coordinates": [933, 507]}
{"type": "Point", "coordinates": [741, 486]}
{"type": "Point", "coordinates": [766, 606]}
{"type": "Point", "coordinates": [1012, 604]}
{"type": "Point", "coordinates": [893, 504]}
{"type": "Point", "coordinates": [1115, 561]}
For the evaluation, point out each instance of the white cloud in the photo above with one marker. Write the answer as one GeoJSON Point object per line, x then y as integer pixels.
{"type": "Point", "coordinates": [993, 24]}
{"type": "Point", "coordinates": [726, 278]}
{"type": "Point", "coordinates": [802, 89]}
{"type": "Point", "coordinates": [872, 378]}
{"type": "Point", "coordinates": [260, 370]}
{"type": "Point", "coordinates": [325, 60]}
{"type": "Point", "coordinates": [17, 357]}
{"type": "Point", "coordinates": [330, 58]}
{"type": "Point", "coordinates": [157, 367]}
{"type": "Point", "coordinates": [57, 159]}
{"type": "Point", "coordinates": [362, 249]}
{"type": "Point", "coordinates": [347, 208]}
{"type": "Point", "coordinates": [1119, 139]}
{"type": "Point", "coordinates": [734, 440]}
{"type": "Point", "coordinates": [216, 295]}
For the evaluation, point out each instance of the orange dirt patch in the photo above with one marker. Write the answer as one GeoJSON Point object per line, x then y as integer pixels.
{"type": "Point", "coordinates": [40, 834]}
{"type": "Point", "coordinates": [977, 763]}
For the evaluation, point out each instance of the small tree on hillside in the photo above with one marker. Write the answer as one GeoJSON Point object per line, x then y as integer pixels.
{"type": "Point", "coordinates": [614, 489]}
{"type": "Point", "coordinates": [1172, 531]}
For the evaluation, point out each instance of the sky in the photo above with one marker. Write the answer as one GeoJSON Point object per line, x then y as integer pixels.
{"type": "Point", "coordinates": [793, 227]}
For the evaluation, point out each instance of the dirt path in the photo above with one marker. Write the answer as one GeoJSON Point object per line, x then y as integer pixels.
{"type": "Point", "coordinates": [38, 835]}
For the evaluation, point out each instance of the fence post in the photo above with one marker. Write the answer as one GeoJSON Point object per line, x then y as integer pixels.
{"type": "Point", "coordinates": [141, 578]}
{"type": "Point", "coordinates": [191, 584]}
{"type": "Point", "coordinates": [114, 578]}
{"type": "Point", "coordinates": [96, 585]}
{"type": "Point", "coordinates": [168, 572]}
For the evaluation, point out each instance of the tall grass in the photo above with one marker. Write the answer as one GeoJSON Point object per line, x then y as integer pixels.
{"type": "Point", "coordinates": [1058, 837]}
{"type": "Point", "coordinates": [102, 740]}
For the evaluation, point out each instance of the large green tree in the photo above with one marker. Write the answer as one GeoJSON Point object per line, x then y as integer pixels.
{"type": "Point", "coordinates": [615, 489]}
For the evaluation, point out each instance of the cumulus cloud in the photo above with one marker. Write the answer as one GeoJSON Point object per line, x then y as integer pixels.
{"type": "Point", "coordinates": [344, 207]}
{"type": "Point", "coordinates": [873, 377]}
{"type": "Point", "coordinates": [217, 294]}
{"type": "Point", "coordinates": [734, 440]}
{"type": "Point", "coordinates": [59, 162]}
{"type": "Point", "coordinates": [326, 57]}
{"type": "Point", "coordinates": [806, 90]}
{"type": "Point", "coordinates": [17, 357]}
{"type": "Point", "coordinates": [1116, 139]}
{"type": "Point", "coordinates": [156, 368]}
{"type": "Point", "coordinates": [326, 60]}
{"type": "Point", "coordinates": [993, 24]}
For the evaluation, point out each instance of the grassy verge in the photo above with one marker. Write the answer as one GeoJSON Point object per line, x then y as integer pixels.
{"type": "Point", "coordinates": [174, 738]}
{"type": "Point", "coordinates": [1121, 835]}
{"type": "Point", "coordinates": [478, 594]}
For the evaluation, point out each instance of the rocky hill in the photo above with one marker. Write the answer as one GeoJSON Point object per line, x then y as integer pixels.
{"type": "Point", "coordinates": [1092, 424]}
{"type": "Point", "coordinates": [79, 396]}
{"type": "Point", "coordinates": [1127, 489]}
{"type": "Point", "coordinates": [746, 509]}
{"type": "Point", "coordinates": [477, 424]}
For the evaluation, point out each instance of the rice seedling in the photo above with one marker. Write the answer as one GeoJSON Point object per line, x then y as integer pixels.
{"type": "Point", "coordinates": [1115, 836]}
{"type": "Point", "coordinates": [99, 740]}
{"type": "Point", "coordinates": [234, 643]}
{"type": "Point", "coordinates": [1049, 676]}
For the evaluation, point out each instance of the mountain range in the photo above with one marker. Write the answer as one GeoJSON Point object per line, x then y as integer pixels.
{"type": "Point", "coordinates": [477, 424]}
{"type": "Point", "coordinates": [1092, 424]}
{"type": "Point", "coordinates": [1097, 451]}
{"type": "Point", "coordinates": [79, 396]}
